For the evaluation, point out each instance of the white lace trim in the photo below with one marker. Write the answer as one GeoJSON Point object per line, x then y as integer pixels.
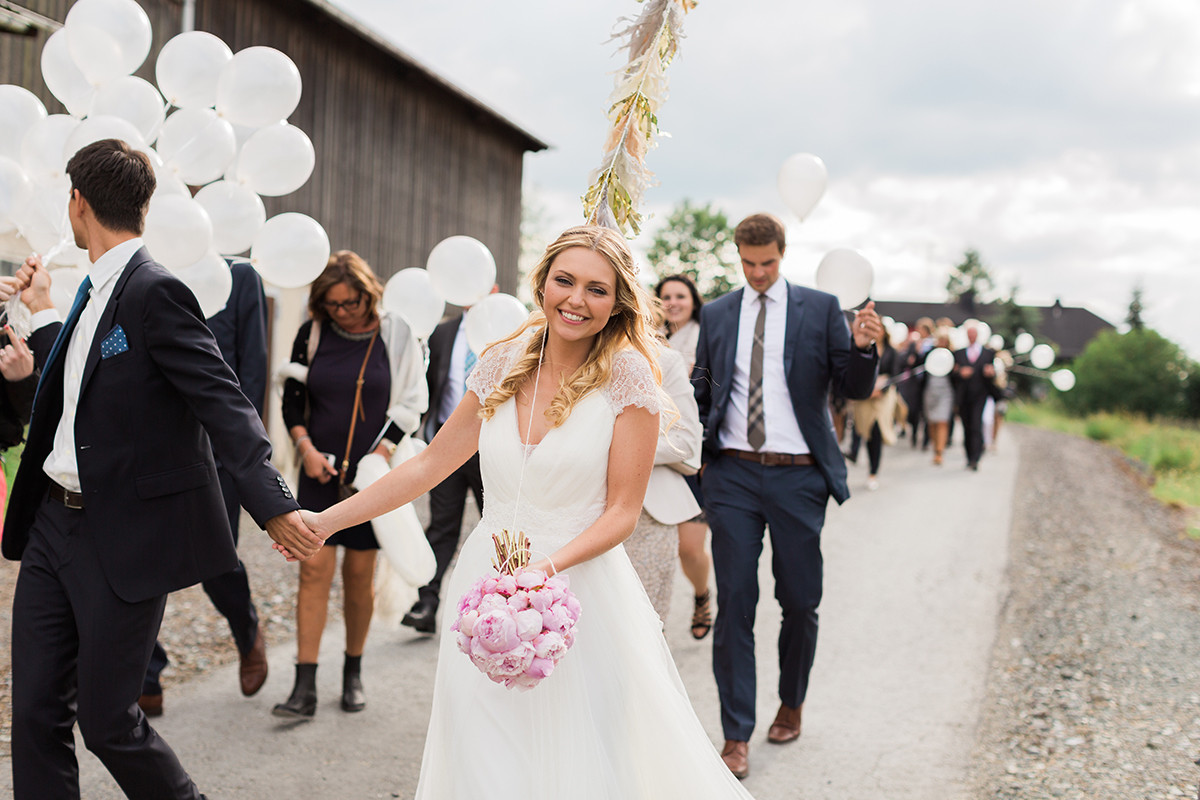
{"type": "Point", "coordinates": [495, 365]}
{"type": "Point", "coordinates": [633, 384]}
{"type": "Point", "coordinates": [545, 526]}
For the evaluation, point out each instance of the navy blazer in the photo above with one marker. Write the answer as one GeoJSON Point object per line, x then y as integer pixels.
{"type": "Point", "coordinates": [817, 353]}
{"type": "Point", "coordinates": [148, 420]}
{"type": "Point", "coordinates": [441, 347]}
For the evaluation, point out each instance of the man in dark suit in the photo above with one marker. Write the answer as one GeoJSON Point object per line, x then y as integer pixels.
{"type": "Point", "coordinates": [116, 501]}
{"type": "Point", "coordinates": [767, 358]}
{"type": "Point", "coordinates": [974, 380]}
{"type": "Point", "coordinates": [240, 329]}
{"type": "Point", "coordinates": [450, 360]}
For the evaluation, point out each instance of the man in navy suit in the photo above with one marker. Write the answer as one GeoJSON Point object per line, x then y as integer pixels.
{"type": "Point", "coordinates": [767, 357]}
{"type": "Point", "coordinates": [116, 501]}
{"type": "Point", "coordinates": [974, 379]}
{"type": "Point", "coordinates": [240, 329]}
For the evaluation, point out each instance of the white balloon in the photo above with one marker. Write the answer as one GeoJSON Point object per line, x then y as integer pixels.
{"type": "Point", "coordinates": [63, 78]}
{"type": "Point", "coordinates": [802, 180]}
{"type": "Point", "coordinates": [166, 181]}
{"type": "Point", "coordinates": [64, 283]}
{"type": "Point", "coordinates": [197, 145]}
{"type": "Point", "coordinates": [958, 338]}
{"type": "Point", "coordinates": [43, 146]}
{"type": "Point", "coordinates": [410, 294]}
{"type": "Point", "coordinates": [43, 220]}
{"type": "Point", "coordinates": [290, 251]}
{"type": "Point", "coordinates": [210, 281]}
{"type": "Point", "coordinates": [20, 110]}
{"type": "Point", "coordinates": [276, 160]}
{"type": "Point", "coordinates": [257, 87]}
{"type": "Point", "coordinates": [178, 231]}
{"type": "Point", "coordinates": [493, 318]}
{"type": "Point", "coordinates": [1024, 343]}
{"type": "Point", "coordinates": [847, 274]}
{"type": "Point", "coordinates": [897, 334]}
{"type": "Point", "coordinates": [135, 101]}
{"type": "Point", "coordinates": [996, 342]}
{"type": "Point", "coordinates": [108, 38]}
{"type": "Point", "coordinates": [983, 331]}
{"type": "Point", "coordinates": [237, 215]}
{"type": "Point", "coordinates": [188, 67]}
{"type": "Point", "coordinates": [1042, 356]}
{"type": "Point", "coordinates": [15, 188]}
{"type": "Point", "coordinates": [462, 270]}
{"type": "Point", "coordinates": [1063, 380]}
{"type": "Point", "coordinates": [939, 362]}
{"type": "Point", "coordinates": [95, 128]}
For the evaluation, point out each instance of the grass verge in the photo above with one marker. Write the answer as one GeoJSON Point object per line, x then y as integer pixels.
{"type": "Point", "coordinates": [1169, 450]}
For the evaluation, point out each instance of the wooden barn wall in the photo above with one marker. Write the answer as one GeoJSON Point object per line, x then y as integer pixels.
{"type": "Point", "coordinates": [402, 163]}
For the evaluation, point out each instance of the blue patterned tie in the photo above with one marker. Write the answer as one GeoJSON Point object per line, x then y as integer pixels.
{"type": "Point", "coordinates": [468, 364]}
{"type": "Point", "coordinates": [64, 334]}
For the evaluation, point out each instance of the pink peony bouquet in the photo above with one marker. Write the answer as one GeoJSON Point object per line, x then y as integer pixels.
{"type": "Point", "coordinates": [516, 625]}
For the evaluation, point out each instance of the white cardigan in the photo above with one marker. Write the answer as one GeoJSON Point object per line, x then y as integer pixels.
{"type": "Point", "coordinates": [668, 497]}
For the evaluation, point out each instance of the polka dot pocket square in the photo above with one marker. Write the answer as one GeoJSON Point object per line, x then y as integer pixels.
{"type": "Point", "coordinates": [114, 343]}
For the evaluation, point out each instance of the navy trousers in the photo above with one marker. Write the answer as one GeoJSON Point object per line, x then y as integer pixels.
{"type": "Point", "coordinates": [447, 502]}
{"type": "Point", "coordinates": [229, 593]}
{"type": "Point", "coordinates": [742, 499]}
{"type": "Point", "coordinates": [79, 654]}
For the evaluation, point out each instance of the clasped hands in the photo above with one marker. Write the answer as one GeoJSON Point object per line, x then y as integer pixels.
{"type": "Point", "coordinates": [297, 535]}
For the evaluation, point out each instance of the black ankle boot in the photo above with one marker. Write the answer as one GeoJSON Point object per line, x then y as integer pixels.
{"type": "Point", "coordinates": [353, 698]}
{"type": "Point", "coordinates": [303, 702]}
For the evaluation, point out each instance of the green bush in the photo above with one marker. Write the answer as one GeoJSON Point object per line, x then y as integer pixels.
{"type": "Point", "coordinates": [1102, 429]}
{"type": "Point", "coordinates": [1138, 372]}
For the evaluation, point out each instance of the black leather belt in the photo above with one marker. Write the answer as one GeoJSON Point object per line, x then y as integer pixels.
{"type": "Point", "coordinates": [771, 459]}
{"type": "Point", "coordinates": [60, 494]}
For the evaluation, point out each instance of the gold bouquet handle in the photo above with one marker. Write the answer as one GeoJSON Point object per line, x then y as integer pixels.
{"type": "Point", "coordinates": [512, 551]}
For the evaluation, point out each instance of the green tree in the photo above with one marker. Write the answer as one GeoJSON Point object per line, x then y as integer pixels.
{"type": "Point", "coordinates": [698, 242]}
{"type": "Point", "coordinates": [1134, 317]}
{"type": "Point", "coordinates": [1140, 372]}
{"type": "Point", "coordinates": [970, 281]}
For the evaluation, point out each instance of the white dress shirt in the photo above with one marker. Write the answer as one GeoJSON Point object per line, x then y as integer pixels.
{"type": "Point", "coordinates": [456, 374]}
{"type": "Point", "coordinates": [61, 465]}
{"type": "Point", "coordinates": [783, 432]}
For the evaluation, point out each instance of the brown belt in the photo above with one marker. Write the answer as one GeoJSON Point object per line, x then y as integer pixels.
{"type": "Point", "coordinates": [65, 496]}
{"type": "Point", "coordinates": [771, 459]}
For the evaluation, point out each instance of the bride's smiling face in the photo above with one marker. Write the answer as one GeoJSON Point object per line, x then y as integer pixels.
{"type": "Point", "coordinates": [580, 293]}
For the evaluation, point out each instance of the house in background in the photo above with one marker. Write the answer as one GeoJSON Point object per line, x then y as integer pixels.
{"type": "Point", "coordinates": [1068, 328]}
{"type": "Point", "coordinates": [404, 158]}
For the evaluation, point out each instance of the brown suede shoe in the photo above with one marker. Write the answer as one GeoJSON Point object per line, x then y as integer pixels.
{"type": "Point", "coordinates": [736, 756]}
{"type": "Point", "coordinates": [252, 672]}
{"type": "Point", "coordinates": [786, 727]}
{"type": "Point", "coordinates": [151, 705]}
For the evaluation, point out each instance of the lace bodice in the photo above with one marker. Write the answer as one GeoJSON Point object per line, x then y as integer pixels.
{"type": "Point", "coordinates": [632, 382]}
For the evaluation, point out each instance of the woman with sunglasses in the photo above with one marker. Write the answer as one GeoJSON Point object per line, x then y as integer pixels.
{"type": "Point", "coordinates": [334, 423]}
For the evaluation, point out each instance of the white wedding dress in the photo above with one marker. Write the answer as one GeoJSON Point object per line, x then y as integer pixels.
{"type": "Point", "coordinates": [613, 722]}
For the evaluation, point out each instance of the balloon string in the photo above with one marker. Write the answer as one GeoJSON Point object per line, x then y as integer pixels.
{"type": "Point", "coordinates": [529, 428]}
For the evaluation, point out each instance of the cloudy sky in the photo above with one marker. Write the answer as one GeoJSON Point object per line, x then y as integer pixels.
{"type": "Point", "coordinates": [1061, 139]}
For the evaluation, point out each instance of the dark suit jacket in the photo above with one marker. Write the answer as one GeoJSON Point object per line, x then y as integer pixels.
{"type": "Point", "coordinates": [146, 426]}
{"type": "Point", "coordinates": [818, 352]}
{"type": "Point", "coordinates": [441, 345]}
{"type": "Point", "coordinates": [977, 386]}
{"type": "Point", "coordinates": [240, 329]}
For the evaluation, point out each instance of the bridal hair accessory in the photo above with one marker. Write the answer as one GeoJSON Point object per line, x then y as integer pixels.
{"type": "Point", "coordinates": [516, 624]}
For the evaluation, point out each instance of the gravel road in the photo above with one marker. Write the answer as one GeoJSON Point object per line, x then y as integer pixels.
{"type": "Point", "coordinates": [1094, 684]}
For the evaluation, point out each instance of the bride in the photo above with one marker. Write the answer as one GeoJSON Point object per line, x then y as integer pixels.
{"type": "Point", "coordinates": [565, 416]}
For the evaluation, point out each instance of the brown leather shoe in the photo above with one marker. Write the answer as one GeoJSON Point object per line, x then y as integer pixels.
{"type": "Point", "coordinates": [786, 727]}
{"type": "Point", "coordinates": [736, 756]}
{"type": "Point", "coordinates": [252, 672]}
{"type": "Point", "coordinates": [151, 705]}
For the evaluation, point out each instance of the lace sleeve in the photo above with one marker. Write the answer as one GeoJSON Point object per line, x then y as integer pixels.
{"type": "Point", "coordinates": [493, 367]}
{"type": "Point", "coordinates": [633, 384]}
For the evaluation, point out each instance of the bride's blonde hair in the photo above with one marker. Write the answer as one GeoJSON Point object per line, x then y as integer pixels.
{"type": "Point", "coordinates": [629, 326]}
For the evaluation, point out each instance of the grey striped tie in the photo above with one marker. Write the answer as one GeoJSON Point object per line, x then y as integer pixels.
{"type": "Point", "coordinates": [756, 428]}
